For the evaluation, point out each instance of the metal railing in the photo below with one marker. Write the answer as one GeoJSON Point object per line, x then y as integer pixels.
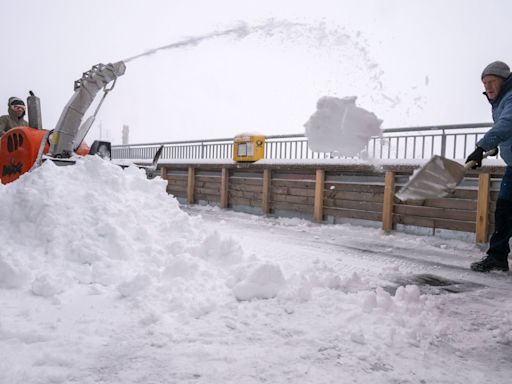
{"type": "Point", "coordinates": [452, 141]}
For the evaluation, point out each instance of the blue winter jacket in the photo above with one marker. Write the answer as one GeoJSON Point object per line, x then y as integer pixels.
{"type": "Point", "coordinates": [501, 132]}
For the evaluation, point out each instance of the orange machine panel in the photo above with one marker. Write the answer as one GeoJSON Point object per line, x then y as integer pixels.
{"type": "Point", "coordinates": [18, 151]}
{"type": "Point", "coordinates": [83, 149]}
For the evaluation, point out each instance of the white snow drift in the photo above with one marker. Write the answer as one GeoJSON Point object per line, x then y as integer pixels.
{"type": "Point", "coordinates": [94, 223]}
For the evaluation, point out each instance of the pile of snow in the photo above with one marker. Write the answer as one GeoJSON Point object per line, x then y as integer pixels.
{"type": "Point", "coordinates": [95, 223]}
{"type": "Point", "coordinates": [339, 126]}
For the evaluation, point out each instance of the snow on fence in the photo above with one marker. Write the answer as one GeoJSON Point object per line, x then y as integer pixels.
{"type": "Point", "coordinates": [452, 141]}
{"type": "Point", "coordinates": [338, 193]}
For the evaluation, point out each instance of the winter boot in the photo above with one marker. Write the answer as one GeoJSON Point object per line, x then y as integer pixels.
{"type": "Point", "coordinates": [488, 264]}
{"type": "Point", "coordinates": [499, 248]}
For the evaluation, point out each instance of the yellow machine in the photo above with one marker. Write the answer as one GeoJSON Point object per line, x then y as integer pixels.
{"type": "Point", "coordinates": [248, 148]}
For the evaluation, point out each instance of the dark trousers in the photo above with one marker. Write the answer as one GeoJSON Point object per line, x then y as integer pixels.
{"type": "Point", "coordinates": [499, 244]}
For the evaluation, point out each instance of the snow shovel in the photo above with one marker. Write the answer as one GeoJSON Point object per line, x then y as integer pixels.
{"type": "Point", "coordinates": [436, 179]}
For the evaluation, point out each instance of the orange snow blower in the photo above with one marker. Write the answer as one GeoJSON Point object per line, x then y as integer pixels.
{"type": "Point", "coordinates": [24, 148]}
{"type": "Point", "coordinates": [20, 150]}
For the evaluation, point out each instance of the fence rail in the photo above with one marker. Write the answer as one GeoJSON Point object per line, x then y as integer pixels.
{"type": "Point", "coordinates": [452, 141]}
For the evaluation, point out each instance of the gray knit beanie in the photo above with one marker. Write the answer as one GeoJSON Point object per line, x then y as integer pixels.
{"type": "Point", "coordinates": [497, 68]}
{"type": "Point", "coordinates": [15, 101]}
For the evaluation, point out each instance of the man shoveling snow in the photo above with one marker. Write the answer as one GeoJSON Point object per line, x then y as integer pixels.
{"type": "Point", "coordinates": [497, 81]}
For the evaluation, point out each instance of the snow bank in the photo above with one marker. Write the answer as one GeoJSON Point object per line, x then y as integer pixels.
{"type": "Point", "coordinates": [95, 223]}
{"type": "Point", "coordinates": [338, 125]}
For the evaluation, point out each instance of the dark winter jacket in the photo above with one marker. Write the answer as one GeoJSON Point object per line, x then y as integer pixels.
{"type": "Point", "coordinates": [501, 132]}
{"type": "Point", "coordinates": [11, 121]}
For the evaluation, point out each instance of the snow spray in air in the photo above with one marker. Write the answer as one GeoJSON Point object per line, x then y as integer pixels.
{"type": "Point", "coordinates": [345, 51]}
{"type": "Point", "coordinates": [338, 125]}
{"type": "Point", "coordinates": [239, 32]}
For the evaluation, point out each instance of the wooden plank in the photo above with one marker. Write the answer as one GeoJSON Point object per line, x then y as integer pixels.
{"type": "Point", "coordinates": [224, 188]}
{"type": "Point", "coordinates": [190, 185]}
{"type": "Point", "coordinates": [293, 184]}
{"type": "Point", "coordinates": [465, 226]}
{"type": "Point", "coordinates": [249, 173]}
{"type": "Point", "coordinates": [265, 196]}
{"type": "Point", "coordinates": [389, 195]}
{"type": "Point", "coordinates": [298, 175]}
{"type": "Point", "coordinates": [353, 214]}
{"type": "Point", "coordinates": [461, 193]}
{"type": "Point", "coordinates": [351, 204]}
{"type": "Point", "coordinates": [208, 182]}
{"type": "Point", "coordinates": [208, 191]}
{"type": "Point", "coordinates": [243, 201]}
{"type": "Point", "coordinates": [245, 181]}
{"type": "Point", "coordinates": [319, 195]}
{"type": "Point", "coordinates": [290, 207]}
{"type": "Point", "coordinates": [207, 179]}
{"type": "Point", "coordinates": [173, 185]}
{"type": "Point", "coordinates": [178, 195]}
{"type": "Point", "coordinates": [293, 199]}
{"type": "Point", "coordinates": [175, 173]}
{"type": "Point", "coordinates": [240, 187]}
{"type": "Point", "coordinates": [482, 209]}
{"type": "Point", "coordinates": [245, 194]}
{"type": "Point", "coordinates": [357, 196]}
{"type": "Point", "coordinates": [309, 192]}
{"type": "Point", "coordinates": [301, 192]}
{"type": "Point", "coordinates": [172, 179]}
{"type": "Point", "coordinates": [208, 173]}
{"type": "Point", "coordinates": [203, 182]}
{"type": "Point", "coordinates": [342, 187]}
{"type": "Point", "coordinates": [176, 178]}
{"type": "Point", "coordinates": [435, 213]}
{"type": "Point", "coordinates": [175, 192]}
{"type": "Point", "coordinates": [367, 173]}
{"type": "Point", "coordinates": [469, 205]}
{"type": "Point", "coordinates": [208, 198]}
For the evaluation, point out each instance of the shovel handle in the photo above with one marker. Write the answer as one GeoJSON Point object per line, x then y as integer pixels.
{"type": "Point", "coordinates": [472, 163]}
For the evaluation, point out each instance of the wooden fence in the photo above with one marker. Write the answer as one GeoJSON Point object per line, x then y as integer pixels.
{"type": "Point", "coordinates": [325, 192]}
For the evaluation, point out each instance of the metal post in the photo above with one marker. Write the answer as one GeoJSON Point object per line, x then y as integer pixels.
{"type": "Point", "coordinates": [443, 143]}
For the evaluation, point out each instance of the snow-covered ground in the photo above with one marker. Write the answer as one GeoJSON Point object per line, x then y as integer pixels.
{"type": "Point", "coordinates": [104, 279]}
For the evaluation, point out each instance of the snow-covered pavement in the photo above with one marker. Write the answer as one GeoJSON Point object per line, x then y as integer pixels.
{"type": "Point", "coordinates": [104, 279]}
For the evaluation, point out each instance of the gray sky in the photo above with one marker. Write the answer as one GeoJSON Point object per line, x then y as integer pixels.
{"type": "Point", "coordinates": [411, 62]}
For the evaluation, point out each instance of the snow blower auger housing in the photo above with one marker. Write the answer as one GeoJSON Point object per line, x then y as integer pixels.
{"type": "Point", "coordinates": [24, 148]}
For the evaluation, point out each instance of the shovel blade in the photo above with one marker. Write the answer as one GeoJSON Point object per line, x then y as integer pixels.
{"type": "Point", "coordinates": [437, 178]}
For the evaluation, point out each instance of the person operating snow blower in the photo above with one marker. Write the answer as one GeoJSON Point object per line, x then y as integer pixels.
{"type": "Point", "coordinates": [497, 81]}
{"type": "Point", "coordinates": [14, 118]}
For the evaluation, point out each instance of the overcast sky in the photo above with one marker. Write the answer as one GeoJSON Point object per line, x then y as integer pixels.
{"type": "Point", "coordinates": [410, 62]}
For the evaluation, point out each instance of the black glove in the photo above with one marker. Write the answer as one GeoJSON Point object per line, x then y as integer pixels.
{"type": "Point", "coordinates": [477, 155]}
